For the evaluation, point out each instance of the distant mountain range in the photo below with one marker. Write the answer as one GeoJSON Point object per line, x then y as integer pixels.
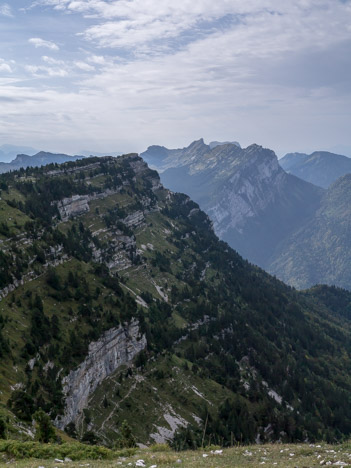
{"type": "Point", "coordinates": [40, 159]}
{"type": "Point", "coordinates": [320, 168]}
{"type": "Point", "coordinates": [97, 153]}
{"type": "Point", "coordinates": [253, 203]}
{"type": "Point", "coordinates": [9, 152]}
{"type": "Point", "coordinates": [288, 226]}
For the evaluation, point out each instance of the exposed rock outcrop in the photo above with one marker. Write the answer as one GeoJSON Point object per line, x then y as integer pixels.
{"type": "Point", "coordinates": [73, 206]}
{"type": "Point", "coordinates": [117, 346]}
{"type": "Point", "coordinates": [79, 204]}
{"type": "Point", "coordinates": [134, 219]}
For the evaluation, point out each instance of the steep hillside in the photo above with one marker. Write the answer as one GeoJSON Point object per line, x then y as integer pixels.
{"type": "Point", "coordinates": [252, 202]}
{"type": "Point", "coordinates": [39, 159]}
{"type": "Point", "coordinates": [320, 252]}
{"type": "Point", "coordinates": [119, 302]}
{"type": "Point", "coordinates": [320, 168]}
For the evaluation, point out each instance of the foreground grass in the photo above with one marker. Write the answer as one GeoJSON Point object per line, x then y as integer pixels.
{"type": "Point", "coordinates": [277, 455]}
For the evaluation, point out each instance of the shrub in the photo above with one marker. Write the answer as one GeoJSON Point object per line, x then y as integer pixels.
{"type": "Point", "coordinates": [77, 451]}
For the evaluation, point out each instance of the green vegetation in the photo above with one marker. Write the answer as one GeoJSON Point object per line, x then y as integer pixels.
{"type": "Point", "coordinates": [232, 356]}
{"type": "Point", "coordinates": [25, 450]}
{"type": "Point", "coordinates": [45, 431]}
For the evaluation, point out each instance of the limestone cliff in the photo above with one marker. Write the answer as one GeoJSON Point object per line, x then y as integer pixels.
{"type": "Point", "coordinates": [117, 346]}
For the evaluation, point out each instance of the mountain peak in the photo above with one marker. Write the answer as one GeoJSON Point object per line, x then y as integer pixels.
{"type": "Point", "coordinates": [197, 144]}
{"type": "Point", "coordinates": [259, 152]}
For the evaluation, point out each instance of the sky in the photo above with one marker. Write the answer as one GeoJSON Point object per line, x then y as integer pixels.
{"type": "Point", "coordinates": [120, 75]}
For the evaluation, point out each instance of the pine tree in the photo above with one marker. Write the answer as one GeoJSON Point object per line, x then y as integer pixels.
{"type": "Point", "coordinates": [126, 438]}
{"type": "Point", "coordinates": [45, 430]}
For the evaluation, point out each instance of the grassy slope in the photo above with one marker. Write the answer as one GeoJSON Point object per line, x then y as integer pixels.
{"type": "Point", "coordinates": [280, 456]}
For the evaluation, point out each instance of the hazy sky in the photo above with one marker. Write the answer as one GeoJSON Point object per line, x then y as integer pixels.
{"type": "Point", "coordinates": [110, 75]}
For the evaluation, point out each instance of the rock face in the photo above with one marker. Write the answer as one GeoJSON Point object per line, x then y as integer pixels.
{"type": "Point", "coordinates": [135, 219]}
{"type": "Point", "coordinates": [248, 192]}
{"type": "Point", "coordinates": [253, 203]}
{"type": "Point", "coordinates": [117, 346]}
{"type": "Point", "coordinates": [79, 204]}
{"type": "Point", "coordinates": [73, 206]}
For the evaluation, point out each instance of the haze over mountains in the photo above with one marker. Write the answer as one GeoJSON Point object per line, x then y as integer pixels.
{"type": "Point", "coordinates": [320, 168]}
{"type": "Point", "coordinates": [320, 251]}
{"type": "Point", "coordinates": [9, 152]}
{"type": "Point", "coordinates": [265, 213]}
{"type": "Point", "coordinates": [252, 202]}
{"type": "Point", "coordinates": [41, 158]}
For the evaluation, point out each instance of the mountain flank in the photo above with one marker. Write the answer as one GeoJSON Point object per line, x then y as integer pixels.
{"type": "Point", "coordinates": [118, 302]}
{"type": "Point", "coordinates": [320, 251]}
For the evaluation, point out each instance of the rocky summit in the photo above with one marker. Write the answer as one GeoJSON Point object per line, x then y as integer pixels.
{"type": "Point", "coordinates": [119, 303]}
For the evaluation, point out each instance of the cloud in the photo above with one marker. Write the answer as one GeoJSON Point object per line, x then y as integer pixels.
{"type": "Point", "coordinates": [97, 59]}
{"type": "Point", "coordinates": [139, 23]}
{"type": "Point", "coordinates": [38, 70]}
{"type": "Point", "coordinates": [261, 70]}
{"type": "Point", "coordinates": [37, 42]}
{"type": "Point", "coordinates": [4, 66]}
{"type": "Point", "coordinates": [84, 66]}
{"type": "Point", "coordinates": [52, 61]}
{"type": "Point", "coordinates": [5, 10]}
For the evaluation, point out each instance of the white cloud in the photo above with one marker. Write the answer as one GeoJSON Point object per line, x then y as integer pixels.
{"type": "Point", "coordinates": [97, 59]}
{"type": "Point", "coordinates": [52, 61]}
{"type": "Point", "coordinates": [131, 23]}
{"type": "Point", "coordinates": [84, 66]}
{"type": "Point", "coordinates": [4, 66]}
{"type": "Point", "coordinates": [38, 70]}
{"type": "Point", "coordinates": [38, 42]}
{"type": "Point", "coordinates": [5, 10]}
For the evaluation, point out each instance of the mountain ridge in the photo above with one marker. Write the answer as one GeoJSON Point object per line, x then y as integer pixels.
{"type": "Point", "coordinates": [41, 158]}
{"type": "Point", "coordinates": [321, 168]}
